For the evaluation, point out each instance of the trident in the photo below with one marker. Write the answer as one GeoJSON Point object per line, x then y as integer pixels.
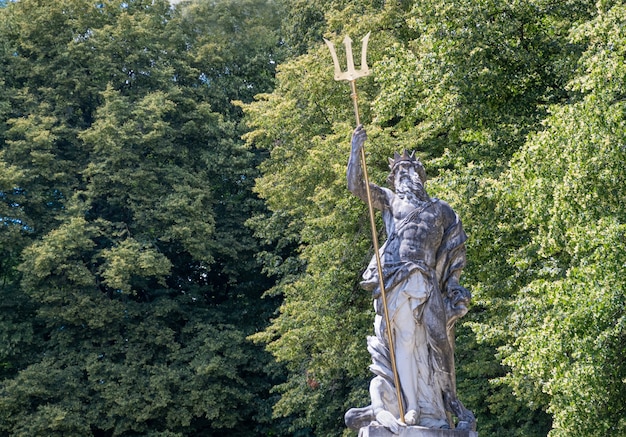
{"type": "Point", "coordinates": [351, 75]}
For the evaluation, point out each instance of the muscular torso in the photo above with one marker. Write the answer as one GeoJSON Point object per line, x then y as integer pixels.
{"type": "Point", "coordinates": [420, 237]}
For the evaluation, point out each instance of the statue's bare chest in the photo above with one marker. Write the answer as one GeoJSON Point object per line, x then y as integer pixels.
{"type": "Point", "coordinates": [419, 229]}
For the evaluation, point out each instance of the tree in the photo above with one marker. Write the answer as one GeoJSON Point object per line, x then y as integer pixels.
{"type": "Point", "coordinates": [129, 283]}
{"type": "Point", "coordinates": [566, 185]}
{"type": "Point", "coordinates": [464, 83]}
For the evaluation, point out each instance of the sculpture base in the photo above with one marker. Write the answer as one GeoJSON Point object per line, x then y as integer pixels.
{"type": "Point", "coordinates": [414, 431]}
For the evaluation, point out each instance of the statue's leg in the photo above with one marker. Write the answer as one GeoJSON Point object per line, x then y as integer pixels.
{"type": "Point", "coordinates": [404, 336]}
{"type": "Point", "coordinates": [411, 295]}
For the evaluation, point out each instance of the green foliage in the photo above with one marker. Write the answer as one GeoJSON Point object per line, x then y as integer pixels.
{"type": "Point", "coordinates": [478, 88]}
{"type": "Point", "coordinates": [129, 288]}
{"type": "Point", "coordinates": [304, 185]}
{"type": "Point", "coordinates": [128, 280]}
{"type": "Point", "coordinates": [567, 182]}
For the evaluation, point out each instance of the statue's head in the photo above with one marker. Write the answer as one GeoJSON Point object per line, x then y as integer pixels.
{"type": "Point", "coordinates": [405, 165]}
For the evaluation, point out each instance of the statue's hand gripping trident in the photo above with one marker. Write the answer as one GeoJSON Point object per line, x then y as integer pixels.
{"type": "Point", "coordinates": [351, 75]}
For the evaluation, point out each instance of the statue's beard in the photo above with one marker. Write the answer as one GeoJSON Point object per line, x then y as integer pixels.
{"type": "Point", "coordinates": [409, 189]}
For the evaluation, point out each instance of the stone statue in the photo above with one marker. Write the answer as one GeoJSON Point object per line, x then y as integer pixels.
{"type": "Point", "coordinates": [421, 263]}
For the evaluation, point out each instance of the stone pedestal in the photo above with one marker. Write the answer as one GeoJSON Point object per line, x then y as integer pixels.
{"type": "Point", "coordinates": [414, 431]}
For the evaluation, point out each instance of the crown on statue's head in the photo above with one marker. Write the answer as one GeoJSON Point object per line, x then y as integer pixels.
{"type": "Point", "coordinates": [407, 158]}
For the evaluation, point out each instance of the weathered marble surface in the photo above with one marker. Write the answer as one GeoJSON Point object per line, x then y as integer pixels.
{"type": "Point", "coordinates": [421, 264]}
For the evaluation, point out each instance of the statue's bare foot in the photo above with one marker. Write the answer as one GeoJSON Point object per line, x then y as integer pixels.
{"type": "Point", "coordinates": [389, 421]}
{"type": "Point", "coordinates": [356, 418]}
{"type": "Point", "coordinates": [411, 417]}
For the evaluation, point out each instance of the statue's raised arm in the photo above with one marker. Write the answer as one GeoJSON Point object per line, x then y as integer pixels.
{"type": "Point", "coordinates": [381, 197]}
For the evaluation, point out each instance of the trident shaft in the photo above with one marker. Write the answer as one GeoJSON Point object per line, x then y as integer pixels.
{"type": "Point", "coordinates": [351, 75]}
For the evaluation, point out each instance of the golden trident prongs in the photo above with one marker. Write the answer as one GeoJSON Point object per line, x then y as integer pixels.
{"type": "Point", "coordinates": [351, 75]}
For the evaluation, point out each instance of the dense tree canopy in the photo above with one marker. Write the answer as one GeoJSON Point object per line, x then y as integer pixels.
{"type": "Point", "coordinates": [567, 186]}
{"type": "Point", "coordinates": [128, 278]}
{"type": "Point", "coordinates": [170, 176]}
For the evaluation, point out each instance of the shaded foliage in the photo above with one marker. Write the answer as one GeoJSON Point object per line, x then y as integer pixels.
{"type": "Point", "coordinates": [566, 185]}
{"type": "Point", "coordinates": [130, 288]}
{"type": "Point", "coordinates": [128, 279]}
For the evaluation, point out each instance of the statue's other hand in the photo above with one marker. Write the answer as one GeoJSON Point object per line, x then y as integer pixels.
{"type": "Point", "coordinates": [388, 420]}
{"type": "Point", "coordinates": [457, 302]}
